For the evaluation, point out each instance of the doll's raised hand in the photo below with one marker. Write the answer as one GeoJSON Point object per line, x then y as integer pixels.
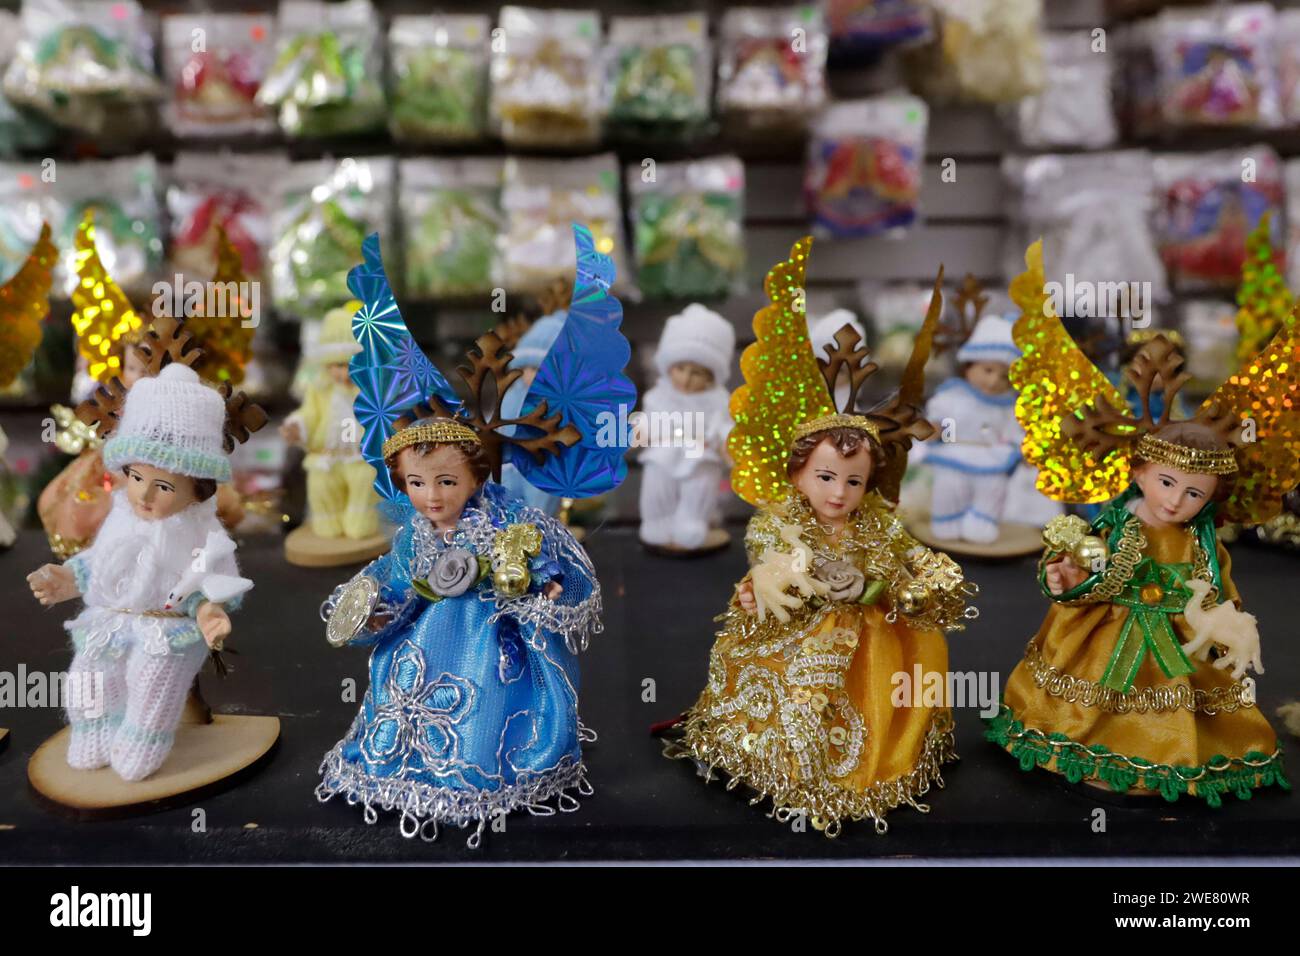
{"type": "Point", "coordinates": [52, 583]}
{"type": "Point", "coordinates": [214, 624]}
{"type": "Point", "coordinates": [552, 590]}
{"type": "Point", "coordinates": [1063, 575]}
{"type": "Point", "coordinates": [745, 595]}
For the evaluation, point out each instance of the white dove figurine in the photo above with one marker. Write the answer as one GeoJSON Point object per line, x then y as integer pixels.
{"type": "Point", "coordinates": [218, 588]}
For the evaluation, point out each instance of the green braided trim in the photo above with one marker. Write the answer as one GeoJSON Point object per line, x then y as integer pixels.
{"type": "Point", "coordinates": [1076, 762]}
{"type": "Point", "coordinates": [133, 449]}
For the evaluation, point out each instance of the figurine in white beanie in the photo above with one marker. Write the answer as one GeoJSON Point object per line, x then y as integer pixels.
{"type": "Point", "coordinates": [171, 446]}
{"type": "Point", "coordinates": [684, 425]}
{"type": "Point", "coordinates": [977, 451]}
{"type": "Point", "coordinates": [342, 506]}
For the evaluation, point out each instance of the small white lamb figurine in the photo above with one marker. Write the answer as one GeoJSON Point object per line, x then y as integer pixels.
{"type": "Point", "coordinates": [1222, 624]}
{"type": "Point", "coordinates": [218, 588]}
{"type": "Point", "coordinates": [778, 570]}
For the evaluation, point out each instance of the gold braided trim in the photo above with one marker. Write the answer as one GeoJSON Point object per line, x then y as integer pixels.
{"type": "Point", "coordinates": [65, 548]}
{"type": "Point", "coordinates": [437, 432]}
{"type": "Point", "coordinates": [1140, 700]}
{"type": "Point", "coordinates": [1199, 461]}
{"type": "Point", "coordinates": [827, 422]}
{"type": "Point", "coordinates": [129, 610]}
{"type": "Point", "coordinates": [825, 804]}
{"type": "Point", "coordinates": [1120, 567]}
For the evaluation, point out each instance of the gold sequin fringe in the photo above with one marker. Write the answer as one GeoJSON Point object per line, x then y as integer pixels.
{"type": "Point", "coordinates": [824, 803]}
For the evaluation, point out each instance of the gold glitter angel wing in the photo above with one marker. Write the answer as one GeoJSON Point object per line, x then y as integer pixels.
{"type": "Point", "coordinates": [1264, 397]}
{"type": "Point", "coordinates": [227, 338]}
{"type": "Point", "coordinates": [102, 314]}
{"type": "Point", "coordinates": [1056, 380]}
{"type": "Point", "coordinates": [783, 385]}
{"type": "Point", "coordinates": [24, 303]}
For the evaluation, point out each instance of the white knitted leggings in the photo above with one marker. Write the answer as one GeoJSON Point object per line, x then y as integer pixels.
{"type": "Point", "coordinates": [134, 725]}
{"type": "Point", "coordinates": [678, 511]}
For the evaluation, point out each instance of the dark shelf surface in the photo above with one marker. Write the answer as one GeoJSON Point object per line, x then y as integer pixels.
{"type": "Point", "coordinates": [658, 626]}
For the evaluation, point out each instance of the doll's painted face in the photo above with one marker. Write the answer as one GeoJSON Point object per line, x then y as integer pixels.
{"type": "Point", "coordinates": [438, 482]}
{"type": "Point", "coordinates": [988, 377]}
{"type": "Point", "coordinates": [338, 372]}
{"type": "Point", "coordinates": [1170, 495]}
{"type": "Point", "coordinates": [690, 377]}
{"type": "Point", "coordinates": [155, 494]}
{"type": "Point", "coordinates": [833, 484]}
{"type": "Point", "coordinates": [133, 367]}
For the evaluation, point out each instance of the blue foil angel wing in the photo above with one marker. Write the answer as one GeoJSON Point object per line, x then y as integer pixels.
{"type": "Point", "coordinates": [582, 379]}
{"type": "Point", "coordinates": [391, 371]}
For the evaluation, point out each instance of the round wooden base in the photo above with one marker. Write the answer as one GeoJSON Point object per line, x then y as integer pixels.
{"type": "Point", "coordinates": [716, 540]}
{"type": "Point", "coordinates": [206, 758]}
{"type": "Point", "coordinates": [306, 549]}
{"type": "Point", "coordinates": [1013, 540]}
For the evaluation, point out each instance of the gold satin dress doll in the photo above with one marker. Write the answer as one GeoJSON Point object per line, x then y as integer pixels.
{"type": "Point", "coordinates": [1138, 678]}
{"type": "Point", "coordinates": [802, 704]}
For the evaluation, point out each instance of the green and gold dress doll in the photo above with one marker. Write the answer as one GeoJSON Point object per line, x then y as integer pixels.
{"type": "Point", "coordinates": [1137, 678]}
{"type": "Point", "coordinates": [801, 703]}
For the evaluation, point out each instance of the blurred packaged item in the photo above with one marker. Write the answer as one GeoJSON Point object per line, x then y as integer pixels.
{"type": "Point", "coordinates": [864, 29]}
{"type": "Point", "coordinates": [1217, 66]}
{"type": "Point", "coordinates": [226, 190]}
{"type": "Point", "coordinates": [546, 78]}
{"type": "Point", "coordinates": [86, 65]}
{"type": "Point", "coordinates": [439, 70]}
{"type": "Point", "coordinates": [687, 227]}
{"type": "Point", "coordinates": [1093, 212]}
{"type": "Point", "coordinates": [324, 210]}
{"type": "Point", "coordinates": [451, 220]}
{"type": "Point", "coordinates": [1074, 107]}
{"type": "Point", "coordinates": [1288, 66]}
{"type": "Point", "coordinates": [658, 75]}
{"type": "Point", "coordinates": [771, 66]}
{"type": "Point", "coordinates": [863, 176]}
{"type": "Point", "coordinates": [21, 128]}
{"type": "Point", "coordinates": [23, 204]}
{"type": "Point", "coordinates": [327, 78]}
{"type": "Point", "coordinates": [1292, 180]}
{"type": "Point", "coordinates": [1208, 203]}
{"type": "Point", "coordinates": [1210, 328]}
{"type": "Point", "coordinates": [541, 199]}
{"type": "Point", "coordinates": [988, 51]}
{"type": "Point", "coordinates": [1139, 104]}
{"type": "Point", "coordinates": [124, 196]}
{"type": "Point", "coordinates": [215, 64]}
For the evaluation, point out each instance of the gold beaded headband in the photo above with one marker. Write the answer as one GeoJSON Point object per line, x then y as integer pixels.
{"type": "Point", "coordinates": [439, 432]}
{"type": "Point", "coordinates": [1198, 461]}
{"type": "Point", "coordinates": [827, 422]}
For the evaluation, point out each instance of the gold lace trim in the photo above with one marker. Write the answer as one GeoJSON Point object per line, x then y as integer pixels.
{"type": "Point", "coordinates": [1140, 700]}
{"type": "Point", "coordinates": [825, 803]}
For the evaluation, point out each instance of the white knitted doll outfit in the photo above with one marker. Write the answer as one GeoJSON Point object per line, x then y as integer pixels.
{"type": "Point", "coordinates": [146, 659]}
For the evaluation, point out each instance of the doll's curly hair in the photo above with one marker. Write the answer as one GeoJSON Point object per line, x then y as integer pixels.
{"type": "Point", "coordinates": [847, 441]}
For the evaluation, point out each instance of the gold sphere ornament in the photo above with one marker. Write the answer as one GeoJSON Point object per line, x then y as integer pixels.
{"type": "Point", "coordinates": [1090, 554]}
{"type": "Point", "coordinates": [913, 598]}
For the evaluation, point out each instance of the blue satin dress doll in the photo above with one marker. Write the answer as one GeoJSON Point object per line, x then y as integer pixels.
{"type": "Point", "coordinates": [476, 616]}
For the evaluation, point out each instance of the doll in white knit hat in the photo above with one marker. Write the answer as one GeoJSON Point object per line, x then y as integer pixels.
{"type": "Point", "coordinates": [342, 506]}
{"type": "Point", "coordinates": [975, 459]}
{"type": "Point", "coordinates": [683, 428]}
{"type": "Point", "coordinates": [161, 574]}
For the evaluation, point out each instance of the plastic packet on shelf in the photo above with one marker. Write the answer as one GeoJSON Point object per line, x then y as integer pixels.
{"type": "Point", "coordinates": [451, 222]}
{"type": "Point", "coordinates": [658, 75]}
{"type": "Point", "coordinates": [324, 211]}
{"type": "Point", "coordinates": [215, 64]}
{"type": "Point", "coordinates": [771, 66]}
{"type": "Point", "coordinates": [439, 78]}
{"type": "Point", "coordinates": [687, 227]}
{"type": "Point", "coordinates": [864, 29]}
{"type": "Point", "coordinates": [546, 78]}
{"type": "Point", "coordinates": [1074, 107]}
{"type": "Point", "coordinates": [863, 176]}
{"type": "Point", "coordinates": [541, 199]}
{"type": "Point", "coordinates": [327, 78]}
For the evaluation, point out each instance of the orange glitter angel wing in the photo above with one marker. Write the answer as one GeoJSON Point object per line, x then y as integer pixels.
{"type": "Point", "coordinates": [783, 385]}
{"type": "Point", "coordinates": [102, 313]}
{"type": "Point", "coordinates": [1265, 397]}
{"type": "Point", "coordinates": [1055, 379]}
{"type": "Point", "coordinates": [24, 303]}
{"type": "Point", "coordinates": [226, 336]}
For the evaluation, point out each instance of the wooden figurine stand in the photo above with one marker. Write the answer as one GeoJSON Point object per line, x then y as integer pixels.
{"type": "Point", "coordinates": [306, 549]}
{"type": "Point", "coordinates": [716, 540]}
{"type": "Point", "coordinates": [212, 752]}
{"type": "Point", "coordinates": [1013, 540]}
